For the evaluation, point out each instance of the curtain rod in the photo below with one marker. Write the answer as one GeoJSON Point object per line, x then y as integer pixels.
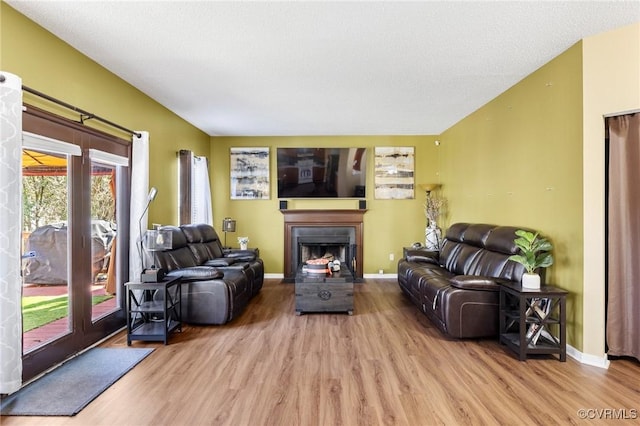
{"type": "Point", "coordinates": [84, 115]}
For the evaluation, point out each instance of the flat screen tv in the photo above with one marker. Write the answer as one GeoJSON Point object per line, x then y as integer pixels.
{"type": "Point", "coordinates": [321, 172]}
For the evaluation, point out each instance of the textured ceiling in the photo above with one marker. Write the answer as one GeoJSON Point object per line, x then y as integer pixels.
{"type": "Point", "coordinates": [324, 68]}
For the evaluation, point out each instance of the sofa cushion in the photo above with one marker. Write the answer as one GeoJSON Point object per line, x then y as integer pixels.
{"type": "Point", "coordinates": [502, 240]}
{"type": "Point", "coordinates": [196, 273]}
{"type": "Point", "coordinates": [456, 232]}
{"type": "Point", "coordinates": [178, 239]}
{"type": "Point", "coordinates": [192, 233]}
{"type": "Point", "coordinates": [175, 259]}
{"type": "Point", "coordinates": [220, 262]}
{"type": "Point", "coordinates": [462, 260]}
{"type": "Point", "coordinates": [477, 234]}
{"type": "Point", "coordinates": [203, 241]}
{"type": "Point", "coordinates": [474, 282]}
{"type": "Point", "coordinates": [488, 264]}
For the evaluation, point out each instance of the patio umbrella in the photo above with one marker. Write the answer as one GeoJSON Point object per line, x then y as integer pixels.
{"type": "Point", "coordinates": [36, 163]}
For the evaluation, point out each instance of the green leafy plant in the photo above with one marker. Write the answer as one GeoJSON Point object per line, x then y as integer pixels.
{"type": "Point", "coordinates": [534, 251]}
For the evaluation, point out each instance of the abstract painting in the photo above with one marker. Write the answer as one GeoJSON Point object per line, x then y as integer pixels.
{"type": "Point", "coordinates": [249, 173]}
{"type": "Point", "coordinates": [394, 173]}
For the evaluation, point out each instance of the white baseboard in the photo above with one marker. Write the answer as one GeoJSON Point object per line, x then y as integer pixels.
{"type": "Point", "coordinates": [274, 276]}
{"type": "Point", "coordinates": [378, 276]}
{"type": "Point", "coordinates": [596, 361]}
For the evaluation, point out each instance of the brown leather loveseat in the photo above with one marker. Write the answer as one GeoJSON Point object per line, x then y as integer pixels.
{"type": "Point", "coordinates": [458, 288]}
{"type": "Point", "coordinates": [217, 284]}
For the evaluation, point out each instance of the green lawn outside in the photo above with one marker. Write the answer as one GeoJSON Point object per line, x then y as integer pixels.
{"type": "Point", "coordinates": [40, 310]}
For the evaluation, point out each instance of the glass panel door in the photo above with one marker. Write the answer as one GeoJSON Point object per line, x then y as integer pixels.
{"type": "Point", "coordinates": [104, 266]}
{"type": "Point", "coordinates": [69, 198]}
{"type": "Point", "coordinates": [45, 248]}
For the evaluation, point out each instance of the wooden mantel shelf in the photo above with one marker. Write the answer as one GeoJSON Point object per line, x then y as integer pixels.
{"type": "Point", "coordinates": [307, 216]}
{"type": "Point", "coordinates": [344, 217]}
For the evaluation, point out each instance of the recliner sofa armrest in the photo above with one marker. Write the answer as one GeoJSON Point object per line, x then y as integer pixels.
{"type": "Point", "coordinates": [423, 256]}
{"type": "Point", "coordinates": [474, 282]}
{"type": "Point", "coordinates": [242, 255]}
{"type": "Point", "coordinates": [196, 273]}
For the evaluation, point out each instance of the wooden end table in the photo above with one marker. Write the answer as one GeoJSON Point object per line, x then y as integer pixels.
{"type": "Point", "coordinates": [533, 321]}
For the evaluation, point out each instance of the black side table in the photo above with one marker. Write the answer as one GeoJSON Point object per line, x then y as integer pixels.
{"type": "Point", "coordinates": [533, 321]}
{"type": "Point", "coordinates": [154, 310]}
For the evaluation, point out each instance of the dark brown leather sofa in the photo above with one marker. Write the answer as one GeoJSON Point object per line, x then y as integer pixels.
{"type": "Point", "coordinates": [217, 284]}
{"type": "Point", "coordinates": [458, 287]}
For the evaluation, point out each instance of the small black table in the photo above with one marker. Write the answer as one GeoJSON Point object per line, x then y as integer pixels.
{"type": "Point", "coordinates": [154, 310]}
{"type": "Point", "coordinates": [323, 292]}
{"type": "Point", "coordinates": [533, 321]}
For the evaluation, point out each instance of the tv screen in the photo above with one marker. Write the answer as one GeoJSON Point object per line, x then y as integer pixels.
{"type": "Point", "coordinates": [321, 172]}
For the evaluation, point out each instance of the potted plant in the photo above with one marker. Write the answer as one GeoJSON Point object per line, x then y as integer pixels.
{"type": "Point", "coordinates": [243, 241]}
{"type": "Point", "coordinates": [534, 254]}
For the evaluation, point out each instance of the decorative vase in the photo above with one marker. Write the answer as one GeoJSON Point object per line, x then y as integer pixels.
{"type": "Point", "coordinates": [432, 237]}
{"type": "Point", "coordinates": [531, 281]}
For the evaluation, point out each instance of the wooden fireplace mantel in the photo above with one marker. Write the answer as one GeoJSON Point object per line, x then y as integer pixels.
{"type": "Point", "coordinates": [320, 218]}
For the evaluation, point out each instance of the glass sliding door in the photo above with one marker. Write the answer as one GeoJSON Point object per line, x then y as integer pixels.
{"type": "Point", "coordinates": [75, 252]}
{"type": "Point", "coordinates": [45, 246]}
{"type": "Point", "coordinates": [106, 288]}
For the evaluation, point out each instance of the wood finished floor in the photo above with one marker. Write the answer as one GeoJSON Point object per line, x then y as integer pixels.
{"type": "Point", "coordinates": [384, 365]}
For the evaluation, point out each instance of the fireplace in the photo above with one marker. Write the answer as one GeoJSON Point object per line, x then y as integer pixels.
{"type": "Point", "coordinates": [335, 242]}
{"type": "Point", "coordinates": [315, 233]}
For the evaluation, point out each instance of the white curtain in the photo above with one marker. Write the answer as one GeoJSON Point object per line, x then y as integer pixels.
{"type": "Point", "coordinates": [139, 192]}
{"type": "Point", "coordinates": [201, 211]}
{"type": "Point", "coordinates": [10, 232]}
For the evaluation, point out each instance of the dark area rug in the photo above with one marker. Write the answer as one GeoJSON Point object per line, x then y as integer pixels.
{"type": "Point", "coordinates": [69, 388]}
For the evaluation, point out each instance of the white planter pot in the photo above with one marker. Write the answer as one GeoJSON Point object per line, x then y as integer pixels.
{"type": "Point", "coordinates": [243, 246]}
{"type": "Point", "coordinates": [531, 281]}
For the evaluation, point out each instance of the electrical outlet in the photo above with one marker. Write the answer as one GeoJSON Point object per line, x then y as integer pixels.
{"type": "Point", "coordinates": [381, 271]}
{"type": "Point", "coordinates": [391, 256]}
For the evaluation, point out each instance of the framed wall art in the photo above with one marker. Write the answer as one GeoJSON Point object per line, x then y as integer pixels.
{"type": "Point", "coordinates": [394, 173]}
{"type": "Point", "coordinates": [249, 173]}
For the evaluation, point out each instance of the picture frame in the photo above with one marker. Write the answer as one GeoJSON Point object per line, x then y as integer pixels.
{"type": "Point", "coordinates": [249, 173]}
{"type": "Point", "coordinates": [394, 173]}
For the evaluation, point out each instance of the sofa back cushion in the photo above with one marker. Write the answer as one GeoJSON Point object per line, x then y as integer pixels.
{"type": "Point", "coordinates": [481, 249]}
{"type": "Point", "coordinates": [203, 242]}
{"type": "Point", "coordinates": [460, 256]}
{"type": "Point", "coordinates": [477, 234]}
{"type": "Point", "coordinates": [501, 239]}
{"type": "Point", "coordinates": [179, 256]}
{"type": "Point", "coordinates": [456, 232]}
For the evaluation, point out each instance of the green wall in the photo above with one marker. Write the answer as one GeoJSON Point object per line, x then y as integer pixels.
{"type": "Point", "coordinates": [49, 65]}
{"type": "Point", "coordinates": [534, 157]}
{"type": "Point", "coordinates": [518, 161]}
{"type": "Point", "coordinates": [389, 225]}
